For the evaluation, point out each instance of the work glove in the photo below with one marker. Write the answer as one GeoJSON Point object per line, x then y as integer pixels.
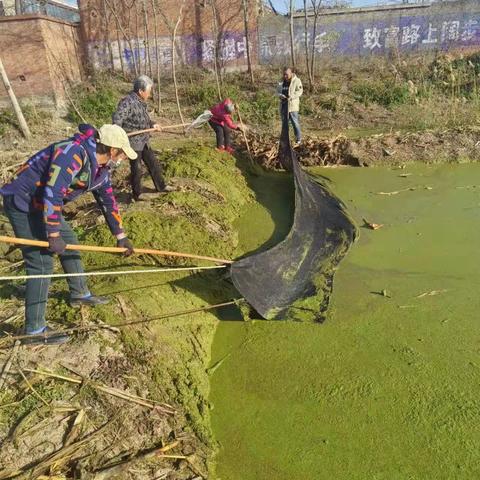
{"type": "Point", "coordinates": [56, 245]}
{"type": "Point", "coordinates": [127, 244]}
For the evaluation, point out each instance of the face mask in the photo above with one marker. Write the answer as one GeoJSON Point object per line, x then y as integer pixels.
{"type": "Point", "coordinates": [112, 164]}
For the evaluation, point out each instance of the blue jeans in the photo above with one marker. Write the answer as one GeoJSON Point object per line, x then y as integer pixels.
{"type": "Point", "coordinates": [294, 119]}
{"type": "Point", "coordinates": [39, 261]}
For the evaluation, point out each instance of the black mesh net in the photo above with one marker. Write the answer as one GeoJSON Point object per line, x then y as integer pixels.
{"type": "Point", "coordinates": [294, 279]}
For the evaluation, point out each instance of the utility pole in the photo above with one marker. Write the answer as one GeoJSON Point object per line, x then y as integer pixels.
{"type": "Point", "coordinates": [16, 106]}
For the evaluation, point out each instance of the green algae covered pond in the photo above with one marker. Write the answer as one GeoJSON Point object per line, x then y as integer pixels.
{"type": "Point", "coordinates": [389, 386]}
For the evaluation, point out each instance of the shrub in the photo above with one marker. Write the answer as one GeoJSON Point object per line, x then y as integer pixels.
{"type": "Point", "coordinates": [387, 93]}
{"type": "Point", "coordinates": [95, 102]}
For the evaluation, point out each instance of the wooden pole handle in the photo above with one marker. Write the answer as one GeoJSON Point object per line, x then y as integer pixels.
{"type": "Point", "coordinates": [150, 130]}
{"type": "Point", "coordinates": [94, 248]}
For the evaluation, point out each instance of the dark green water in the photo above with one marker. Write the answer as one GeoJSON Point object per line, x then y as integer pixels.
{"type": "Point", "coordinates": [388, 387]}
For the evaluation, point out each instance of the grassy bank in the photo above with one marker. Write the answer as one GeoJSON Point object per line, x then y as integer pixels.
{"type": "Point", "coordinates": [353, 96]}
{"type": "Point", "coordinates": [164, 360]}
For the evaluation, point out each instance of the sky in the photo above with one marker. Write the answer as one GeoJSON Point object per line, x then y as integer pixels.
{"type": "Point", "coordinates": [282, 4]}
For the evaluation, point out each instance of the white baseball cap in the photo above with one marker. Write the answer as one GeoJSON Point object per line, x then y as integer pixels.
{"type": "Point", "coordinates": [116, 137]}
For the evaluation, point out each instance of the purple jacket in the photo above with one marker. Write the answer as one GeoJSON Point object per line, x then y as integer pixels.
{"type": "Point", "coordinates": [60, 173]}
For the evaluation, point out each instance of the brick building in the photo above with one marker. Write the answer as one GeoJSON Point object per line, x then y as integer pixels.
{"type": "Point", "coordinates": [132, 35]}
{"type": "Point", "coordinates": [40, 54]}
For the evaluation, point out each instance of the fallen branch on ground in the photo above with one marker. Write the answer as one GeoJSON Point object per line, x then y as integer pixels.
{"type": "Point", "coordinates": [163, 407]}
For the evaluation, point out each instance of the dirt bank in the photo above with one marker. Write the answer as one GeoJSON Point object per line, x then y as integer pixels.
{"type": "Point", "coordinates": [163, 362]}
{"type": "Point", "coordinates": [453, 146]}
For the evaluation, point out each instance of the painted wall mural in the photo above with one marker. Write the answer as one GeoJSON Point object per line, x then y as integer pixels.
{"type": "Point", "coordinates": [407, 34]}
{"type": "Point", "coordinates": [190, 51]}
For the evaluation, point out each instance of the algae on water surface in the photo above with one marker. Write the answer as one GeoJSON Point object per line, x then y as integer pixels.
{"type": "Point", "coordinates": [386, 388]}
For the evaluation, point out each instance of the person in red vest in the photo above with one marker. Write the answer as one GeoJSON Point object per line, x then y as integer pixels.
{"type": "Point", "coordinates": [221, 122]}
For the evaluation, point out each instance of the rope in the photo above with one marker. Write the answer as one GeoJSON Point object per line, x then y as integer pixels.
{"type": "Point", "coordinates": [124, 324]}
{"type": "Point", "coordinates": [118, 272]}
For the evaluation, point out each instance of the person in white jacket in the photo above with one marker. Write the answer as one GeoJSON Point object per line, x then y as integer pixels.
{"type": "Point", "coordinates": [289, 91]}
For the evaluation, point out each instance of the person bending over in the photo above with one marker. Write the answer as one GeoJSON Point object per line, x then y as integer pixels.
{"type": "Point", "coordinates": [33, 201]}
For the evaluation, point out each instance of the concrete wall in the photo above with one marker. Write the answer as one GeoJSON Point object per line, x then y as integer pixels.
{"type": "Point", "coordinates": [39, 54]}
{"type": "Point", "coordinates": [114, 32]}
{"type": "Point", "coordinates": [376, 31]}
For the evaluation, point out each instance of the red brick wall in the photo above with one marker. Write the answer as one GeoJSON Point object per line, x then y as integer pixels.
{"type": "Point", "coordinates": [38, 52]}
{"type": "Point", "coordinates": [24, 57]}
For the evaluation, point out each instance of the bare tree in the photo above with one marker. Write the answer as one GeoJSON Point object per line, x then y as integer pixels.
{"type": "Point", "coordinates": [174, 75]}
{"type": "Point", "coordinates": [292, 39]}
{"type": "Point", "coordinates": [125, 36]}
{"type": "Point", "coordinates": [146, 40]}
{"type": "Point", "coordinates": [120, 50]}
{"type": "Point", "coordinates": [157, 55]}
{"type": "Point", "coordinates": [270, 3]}
{"type": "Point", "coordinates": [247, 39]}
{"type": "Point", "coordinates": [316, 9]}
{"type": "Point", "coordinates": [307, 55]}
{"type": "Point", "coordinates": [216, 56]}
{"type": "Point", "coordinates": [107, 34]}
{"type": "Point", "coordinates": [137, 40]}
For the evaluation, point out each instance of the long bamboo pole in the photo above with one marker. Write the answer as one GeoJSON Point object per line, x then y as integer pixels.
{"type": "Point", "coordinates": [245, 135]}
{"type": "Point", "coordinates": [149, 130]}
{"type": "Point", "coordinates": [94, 248]}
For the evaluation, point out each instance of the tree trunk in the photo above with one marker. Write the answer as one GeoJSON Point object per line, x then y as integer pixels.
{"type": "Point", "coordinates": [18, 7]}
{"type": "Point", "coordinates": [120, 51]}
{"type": "Point", "coordinates": [314, 49]}
{"type": "Point", "coordinates": [247, 40]}
{"type": "Point", "coordinates": [174, 75]}
{"type": "Point", "coordinates": [137, 39]}
{"type": "Point", "coordinates": [157, 56]}
{"type": "Point", "coordinates": [307, 56]}
{"type": "Point", "coordinates": [16, 106]}
{"type": "Point", "coordinates": [147, 40]}
{"type": "Point", "coordinates": [107, 35]}
{"type": "Point", "coordinates": [292, 39]}
{"type": "Point", "coordinates": [125, 36]}
{"type": "Point", "coordinates": [215, 50]}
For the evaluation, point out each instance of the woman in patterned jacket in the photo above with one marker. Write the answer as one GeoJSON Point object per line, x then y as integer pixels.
{"type": "Point", "coordinates": [132, 115]}
{"type": "Point", "coordinates": [33, 203]}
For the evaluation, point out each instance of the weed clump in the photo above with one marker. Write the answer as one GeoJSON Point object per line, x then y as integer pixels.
{"type": "Point", "coordinates": [96, 101]}
{"type": "Point", "coordinates": [387, 94]}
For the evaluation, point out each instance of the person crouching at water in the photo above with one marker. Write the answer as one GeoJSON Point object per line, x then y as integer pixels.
{"type": "Point", "coordinates": [33, 202]}
{"type": "Point", "coordinates": [221, 122]}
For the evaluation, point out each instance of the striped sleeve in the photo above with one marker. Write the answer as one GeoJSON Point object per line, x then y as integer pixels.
{"type": "Point", "coordinates": [109, 207]}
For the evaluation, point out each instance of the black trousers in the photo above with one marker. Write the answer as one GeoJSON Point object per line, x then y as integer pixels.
{"type": "Point", "coordinates": [154, 168]}
{"type": "Point", "coordinates": [222, 133]}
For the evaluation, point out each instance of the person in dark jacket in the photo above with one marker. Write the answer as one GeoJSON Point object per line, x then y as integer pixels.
{"type": "Point", "coordinates": [132, 115]}
{"type": "Point", "coordinates": [221, 122]}
{"type": "Point", "coordinates": [33, 202]}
